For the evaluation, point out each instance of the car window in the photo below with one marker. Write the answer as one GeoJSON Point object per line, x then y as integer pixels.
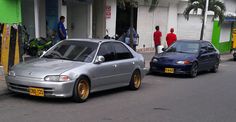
{"type": "Point", "coordinates": [107, 51]}
{"type": "Point", "coordinates": [121, 51]}
{"type": "Point", "coordinates": [73, 50]}
{"type": "Point", "coordinates": [184, 47]}
{"type": "Point", "coordinates": [204, 47]}
{"type": "Point", "coordinates": [210, 47]}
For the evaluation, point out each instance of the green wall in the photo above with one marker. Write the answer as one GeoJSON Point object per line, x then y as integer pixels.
{"type": "Point", "coordinates": [10, 11]}
{"type": "Point", "coordinates": [223, 47]}
{"type": "Point", "coordinates": [216, 34]}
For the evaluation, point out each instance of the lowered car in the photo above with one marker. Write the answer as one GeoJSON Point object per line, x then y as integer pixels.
{"type": "Point", "coordinates": [77, 67]}
{"type": "Point", "coordinates": [186, 57]}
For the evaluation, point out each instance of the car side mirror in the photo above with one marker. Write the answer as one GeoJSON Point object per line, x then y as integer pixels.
{"type": "Point", "coordinates": [163, 49]}
{"type": "Point", "coordinates": [99, 59]}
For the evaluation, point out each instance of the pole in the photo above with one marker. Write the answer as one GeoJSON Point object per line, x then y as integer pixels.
{"type": "Point", "coordinates": [36, 17]}
{"type": "Point", "coordinates": [205, 16]}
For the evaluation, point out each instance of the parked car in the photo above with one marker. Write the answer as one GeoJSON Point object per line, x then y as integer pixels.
{"type": "Point", "coordinates": [186, 57]}
{"type": "Point", "coordinates": [76, 68]}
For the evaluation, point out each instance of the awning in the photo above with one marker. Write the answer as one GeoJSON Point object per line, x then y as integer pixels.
{"type": "Point", "coordinates": [230, 17]}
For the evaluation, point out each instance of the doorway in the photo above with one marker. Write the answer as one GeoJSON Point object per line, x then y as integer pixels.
{"type": "Point", "coordinates": [123, 19]}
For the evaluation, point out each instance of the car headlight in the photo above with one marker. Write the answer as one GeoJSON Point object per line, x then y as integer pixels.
{"type": "Point", "coordinates": [154, 60]}
{"type": "Point", "coordinates": [183, 62]}
{"type": "Point", "coordinates": [60, 78]}
{"type": "Point", "coordinates": [11, 73]}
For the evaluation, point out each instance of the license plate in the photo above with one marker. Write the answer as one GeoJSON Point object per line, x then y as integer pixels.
{"type": "Point", "coordinates": [36, 91]}
{"type": "Point", "coordinates": [169, 70]}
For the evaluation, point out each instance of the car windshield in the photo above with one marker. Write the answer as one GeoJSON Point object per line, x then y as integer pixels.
{"type": "Point", "coordinates": [73, 50]}
{"type": "Point", "coordinates": [184, 47]}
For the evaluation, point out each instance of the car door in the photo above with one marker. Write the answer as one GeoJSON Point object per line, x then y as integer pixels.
{"type": "Point", "coordinates": [125, 63]}
{"type": "Point", "coordinates": [203, 59]}
{"type": "Point", "coordinates": [213, 55]}
{"type": "Point", "coordinates": [105, 72]}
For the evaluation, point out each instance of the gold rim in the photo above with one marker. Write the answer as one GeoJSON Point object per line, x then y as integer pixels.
{"type": "Point", "coordinates": [137, 80]}
{"type": "Point", "coordinates": [83, 89]}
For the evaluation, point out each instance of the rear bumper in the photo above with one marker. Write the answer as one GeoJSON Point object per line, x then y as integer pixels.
{"type": "Point", "coordinates": [51, 89]}
{"type": "Point", "coordinates": [178, 69]}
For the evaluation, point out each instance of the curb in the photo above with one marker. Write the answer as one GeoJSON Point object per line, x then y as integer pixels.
{"type": "Point", "coordinates": [4, 92]}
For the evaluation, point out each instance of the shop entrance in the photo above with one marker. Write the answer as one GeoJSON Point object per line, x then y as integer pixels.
{"type": "Point", "coordinates": [123, 19]}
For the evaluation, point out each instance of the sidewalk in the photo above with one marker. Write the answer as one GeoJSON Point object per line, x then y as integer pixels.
{"type": "Point", "coordinates": [147, 55]}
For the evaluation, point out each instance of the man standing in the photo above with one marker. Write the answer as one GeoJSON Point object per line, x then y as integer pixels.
{"type": "Point", "coordinates": [171, 37]}
{"type": "Point", "coordinates": [61, 29]}
{"type": "Point", "coordinates": [157, 38]}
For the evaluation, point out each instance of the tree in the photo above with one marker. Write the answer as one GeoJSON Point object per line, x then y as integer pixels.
{"type": "Point", "coordinates": [215, 6]}
{"type": "Point", "coordinates": [134, 3]}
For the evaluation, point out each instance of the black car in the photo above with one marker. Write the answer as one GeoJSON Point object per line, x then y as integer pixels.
{"type": "Point", "coordinates": [186, 57]}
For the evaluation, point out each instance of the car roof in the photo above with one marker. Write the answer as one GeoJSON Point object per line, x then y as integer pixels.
{"type": "Point", "coordinates": [94, 40]}
{"type": "Point", "coordinates": [192, 41]}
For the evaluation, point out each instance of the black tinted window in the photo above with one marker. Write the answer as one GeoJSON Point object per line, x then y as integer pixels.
{"type": "Point", "coordinates": [210, 47]}
{"type": "Point", "coordinates": [107, 51]}
{"type": "Point", "coordinates": [204, 47]}
{"type": "Point", "coordinates": [121, 51]}
{"type": "Point", "coordinates": [73, 50]}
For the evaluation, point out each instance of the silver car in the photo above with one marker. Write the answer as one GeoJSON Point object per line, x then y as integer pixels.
{"type": "Point", "coordinates": [75, 68]}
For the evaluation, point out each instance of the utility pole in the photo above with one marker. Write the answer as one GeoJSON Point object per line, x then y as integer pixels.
{"type": "Point", "coordinates": [205, 19]}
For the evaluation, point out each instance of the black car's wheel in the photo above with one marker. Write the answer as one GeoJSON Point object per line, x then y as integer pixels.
{"type": "Point", "coordinates": [215, 67]}
{"type": "Point", "coordinates": [194, 70]}
{"type": "Point", "coordinates": [135, 81]}
{"type": "Point", "coordinates": [81, 90]}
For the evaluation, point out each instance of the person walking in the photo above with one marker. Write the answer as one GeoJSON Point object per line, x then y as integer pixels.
{"type": "Point", "coordinates": [157, 38]}
{"type": "Point", "coordinates": [171, 37]}
{"type": "Point", "coordinates": [61, 29]}
{"type": "Point", "coordinates": [135, 38]}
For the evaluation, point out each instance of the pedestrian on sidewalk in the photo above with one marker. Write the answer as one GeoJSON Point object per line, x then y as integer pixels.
{"type": "Point", "coordinates": [135, 37]}
{"type": "Point", "coordinates": [157, 38]}
{"type": "Point", "coordinates": [171, 37]}
{"type": "Point", "coordinates": [61, 29]}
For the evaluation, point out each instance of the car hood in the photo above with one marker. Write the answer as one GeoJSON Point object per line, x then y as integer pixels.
{"type": "Point", "coordinates": [41, 67]}
{"type": "Point", "coordinates": [175, 56]}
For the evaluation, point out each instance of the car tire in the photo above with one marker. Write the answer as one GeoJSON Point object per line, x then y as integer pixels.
{"type": "Point", "coordinates": [215, 67]}
{"type": "Point", "coordinates": [81, 90]}
{"type": "Point", "coordinates": [194, 70]}
{"type": "Point", "coordinates": [135, 81]}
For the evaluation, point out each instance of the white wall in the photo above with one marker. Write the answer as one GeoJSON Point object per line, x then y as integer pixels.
{"type": "Point", "coordinates": [99, 20]}
{"type": "Point", "coordinates": [172, 17]}
{"type": "Point", "coordinates": [230, 5]}
{"type": "Point", "coordinates": [191, 29]}
{"type": "Point", "coordinates": [111, 22]}
{"type": "Point", "coordinates": [146, 24]}
{"type": "Point", "coordinates": [78, 20]}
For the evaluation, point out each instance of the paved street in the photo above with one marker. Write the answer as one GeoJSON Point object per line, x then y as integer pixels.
{"type": "Point", "coordinates": [209, 97]}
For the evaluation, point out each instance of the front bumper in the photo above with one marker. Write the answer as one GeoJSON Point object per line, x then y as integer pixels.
{"type": "Point", "coordinates": [178, 69]}
{"type": "Point", "coordinates": [51, 89]}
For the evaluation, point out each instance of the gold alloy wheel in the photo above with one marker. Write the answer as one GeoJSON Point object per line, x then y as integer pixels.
{"type": "Point", "coordinates": [83, 89]}
{"type": "Point", "coordinates": [137, 80]}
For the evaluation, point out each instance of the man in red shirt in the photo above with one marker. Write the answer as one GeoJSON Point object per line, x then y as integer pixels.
{"type": "Point", "coordinates": [171, 37]}
{"type": "Point", "coordinates": [157, 38]}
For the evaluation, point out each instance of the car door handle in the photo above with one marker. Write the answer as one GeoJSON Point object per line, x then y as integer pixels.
{"type": "Point", "coordinates": [115, 65]}
{"type": "Point", "coordinates": [133, 62]}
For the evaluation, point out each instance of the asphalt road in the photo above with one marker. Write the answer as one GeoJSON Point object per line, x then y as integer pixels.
{"type": "Point", "coordinates": [210, 97]}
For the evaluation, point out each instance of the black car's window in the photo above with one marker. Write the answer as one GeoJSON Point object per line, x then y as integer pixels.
{"type": "Point", "coordinates": [73, 50]}
{"type": "Point", "coordinates": [210, 47]}
{"type": "Point", "coordinates": [184, 47]}
{"type": "Point", "coordinates": [121, 51]}
{"type": "Point", "coordinates": [107, 51]}
{"type": "Point", "coordinates": [204, 47]}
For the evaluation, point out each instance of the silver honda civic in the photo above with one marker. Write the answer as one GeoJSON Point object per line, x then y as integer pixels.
{"type": "Point", "coordinates": [77, 67]}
